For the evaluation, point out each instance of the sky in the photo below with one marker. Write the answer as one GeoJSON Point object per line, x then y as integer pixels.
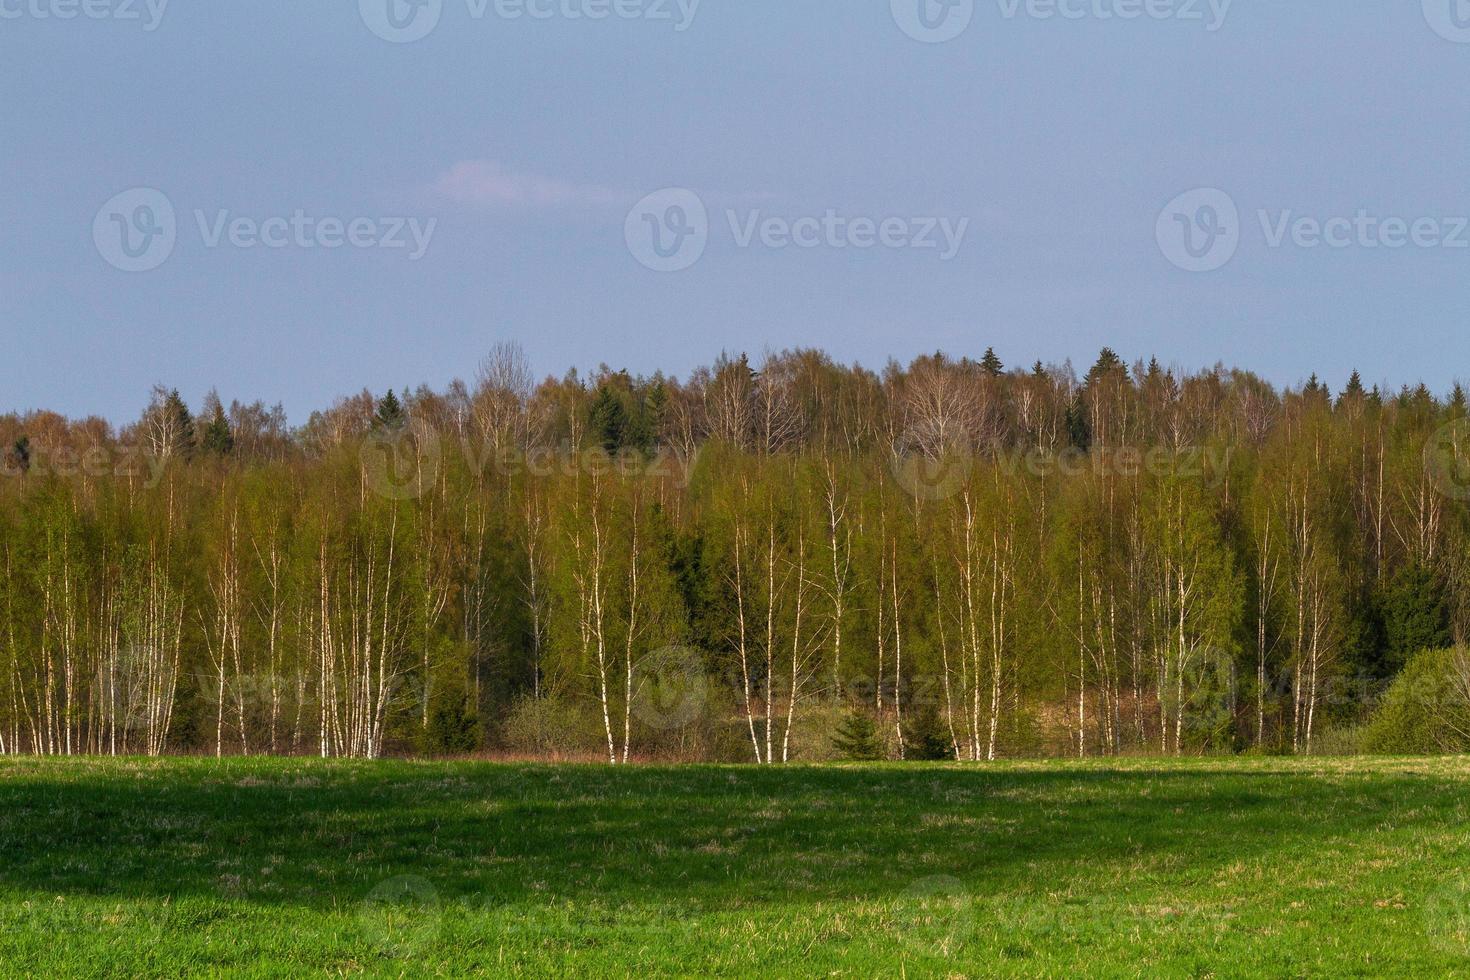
{"type": "Point", "coordinates": [293, 201]}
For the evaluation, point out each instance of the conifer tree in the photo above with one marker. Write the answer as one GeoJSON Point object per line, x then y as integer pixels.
{"type": "Point", "coordinates": [390, 414]}
{"type": "Point", "coordinates": [857, 739]}
{"type": "Point", "coordinates": [218, 439]}
{"type": "Point", "coordinates": [991, 363]}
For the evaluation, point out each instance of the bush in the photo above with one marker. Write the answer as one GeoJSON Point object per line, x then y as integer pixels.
{"type": "Point", "coordinates": [857, 739]}
{"type": "Point", "coordinates": [1427, 710]}
{"type": "Point", "coordinates": [927, 739]}
{"type": "Point", "coordinates": [454, 729]}
{"type": "Point", "coordinates": [553, 727]}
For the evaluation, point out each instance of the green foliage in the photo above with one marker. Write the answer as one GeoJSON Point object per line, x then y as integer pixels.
{"type": "Point", "coordinates": [552, 727]}
{"type": "Point", "coordinates": [1416, 616]}
{"type": "Point", "coordinates": [218, 439]}
{"type": "Point", "coordinates": [609, 420]}
{"type": "Point", "coordinates": [1078, 429]}
{"type": "Point", "coordinates": [454, 728]}
{"type": "Point", "coordinates": [1426, 710]}
{"type": "Point", "coordinates": [857, 739]}
{"type": "Point", "coordinates": [927, 738]}
{"type": "Point", "coordinates": [390, 414]}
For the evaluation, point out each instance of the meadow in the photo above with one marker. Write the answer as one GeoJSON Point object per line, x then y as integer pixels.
{"type": "Point", "coordinates": [271, 867]}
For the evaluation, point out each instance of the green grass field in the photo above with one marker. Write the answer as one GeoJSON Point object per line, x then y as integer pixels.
{"type": "Point", "coordinates": [272, 867]}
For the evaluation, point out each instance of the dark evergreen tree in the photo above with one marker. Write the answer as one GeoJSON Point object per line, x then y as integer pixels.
{"type": "Point", "coordinates": [217, 436]}
{"type": "Point", "coordinates": [857, 739]}
{"type": "Point", "coordinates": [991, 363]}
{"type": "Point", "coordinates": [655, 407]}
{"type": "Point", "coordinates": [927, 738]}
{"type": "Point", "coordinates": [1456, 407]}
{"type": "Point", "coordinates": [609, 420]}
{"type": "Point", "coordinates": [20, 454]}
{"type": "Point", "coordinates": [180, 422]}
{"type": "Point", "coordinates": [390, 414]}
{"type": "Point", "coordinates": [1108, 363]}
{"type": "Point", "coordinates": [453, 728]}
{"type": "Point", "coordinates": [1416, 616]}
{"type": "Point", "coordinates": [1079, 432]}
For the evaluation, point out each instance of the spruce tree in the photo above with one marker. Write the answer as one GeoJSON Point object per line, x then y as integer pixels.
{"type": "Point", "coordinates": [857, 739]}
{"type": "Point", "coordinates": [20, 454]}
{"type": "Point", "coordinates": [218, 439]}
{"type": "Point", "coordinates": [180, 423]}
{"type": "Point", "coordinates": [390, 414]}
{"type": "Point", "coordinates": [609, 419]}
{"type": "Point", "coordinates": [1457, 402]}
{"type": "Point", "coordinates": [1108, 363]}
{"type": "Point", "coordinates": [991, 363]}
{"type": "Point", "coordinates": [1416, 616]}
{"type": "Point", "coordinates": [927, 738]}
{"type": "Point", "coordinates": [1079, 432]}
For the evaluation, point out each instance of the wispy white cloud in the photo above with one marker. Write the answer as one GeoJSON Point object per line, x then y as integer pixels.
{"type": "Point", "coordinates": [487, 184]}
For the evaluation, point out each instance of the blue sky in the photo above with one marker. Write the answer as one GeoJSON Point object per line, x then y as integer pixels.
{"type": "Point", "coordinates": [1057, 141]}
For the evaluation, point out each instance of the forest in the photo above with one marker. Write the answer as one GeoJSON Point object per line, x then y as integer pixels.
{"type": "Point", "coordinates": [775, 559]}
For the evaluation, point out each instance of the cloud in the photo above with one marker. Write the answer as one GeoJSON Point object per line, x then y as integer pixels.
{"type": "Point", "coordinates": [486, 184]}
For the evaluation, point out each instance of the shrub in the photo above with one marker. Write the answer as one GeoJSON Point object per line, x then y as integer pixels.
{"type": "Point", "coordinates": [928, 737]}
{"type": "Point", "coordinates": [1427, 710]}
{"type": "Point", "coordinates": [857, 739]}
{"type": "Point", "coordinates": [552, 726]}
{"type": "Point", "coordinates": [454, 729]}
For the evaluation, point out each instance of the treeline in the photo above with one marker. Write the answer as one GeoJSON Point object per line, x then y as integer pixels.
{"type": "Point", "coordinates": [968, 560]}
